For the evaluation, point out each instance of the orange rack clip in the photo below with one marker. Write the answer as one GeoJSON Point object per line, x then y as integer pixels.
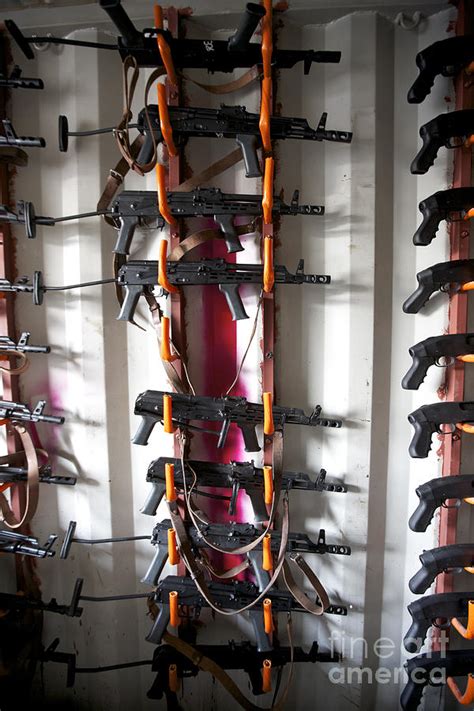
{"type": "Point", "coordinates": [469, 214]}
{"type": "Point", "coordinates": [267, 40]}
{"type": "Point", "coordinates": [169, 481]}
{"type": "Point", "coordinates": [465, 427]}
{"type": "Point", "coordinates": [267, 563]}
{"type": "Point", "coordinates": [268, 484]}
{"type": "Point", "coordinates": [466, 632]}
{"type": "Point", "coordinates": [267, 615]}
{"type": "Point", "coordinates": [165, 123]}
{"type": "Point", "coordinates": [168, 414]}
{"type": "Point", "coordinates": [469, 141]}
{"type": "Point", "coordinates": [163, 280]}
{"type": "Point", "coordinates": [268, 424]}
{"type": "Point", "coordinates": [173, 553]}
{"type": "Point", "coordinates": [165, 347]}
{"type": "Point", "coordinates": [463, 698]}
{"type": "Point", "coordinates": [264, 121]}
{"type": "Point", "coordinates": [468, 286]}
{"type": "Point", "coordinates": [163, 205]}
{"type": "Point", "coordinates": [173, 681]}
{"type": "Point", "coordinates": [4, 487]}
{"type": "Point", "coordinates": [268, 271]}
{"type": "Point", "coordinates": [163, 46]}
{"type": "Point", "coordinates": [469, 358]}
{"type": "Point", "coordinates": [267, 201]}
{"type": "Point", "coordinates": [266, 676]}
{"type": "Point", "coordinates": [174, 611]}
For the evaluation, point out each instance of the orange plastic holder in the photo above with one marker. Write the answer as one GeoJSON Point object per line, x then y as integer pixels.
{"type": "Point", "coordinates": [165, 123]}
{"type": "Point", "coordinates": [173, 553]}
{"type": "Point", "coordinates": [168, 414]}
{"type": "Point", "coordinates": [162, 264]}
{"type": "Point", "coordinates": [165, 345]}
{"type": "Point", "coordinates": [175, 619]}
{"type": "Point", "coordinates": [267, 616]}
{"type": "Point", "coordinates": [268, 424]}
{"type": "Point", "coordinates": [466, 632]}
{"type": "Point", "coordinates": [466, 697]}
{"type": "Point", "coordinates": [267, 201]}
{"type": "Point", "coordinates": [169, 481]}
{"type": "Point", "coordinates": [173, 680]}
{"type": "Point", "coordinates": [268, 484]}
{"type": "Point", "coordinates": [163, 205]}
{"type": "Point", "coordinates": [163, 46]}
{"type": "Point", "coordinates": [268, 271]}
{"type": "Point", "coordinates": [267, 563]}
{"type": "Point", "coordinates": [267, 676]}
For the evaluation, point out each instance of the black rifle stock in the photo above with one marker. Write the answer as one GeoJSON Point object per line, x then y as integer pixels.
{"type": "Point", "coordinates": [234, 655]}
{"type": "Point", "coordinates": [136, 277]}
{"type": "Point", "coordinates": [211, 54]}
{"type": "Point", "coordinates": [441, 131]}
{"type": "Point", "coordinates": [19, 543]}
{"type": "Point", "coordinates": [447, 57]}
{"type": "Point", "coordinates": [427, 610]}
{"type": "Point", "coordinates": [428, 419]}
{"type": "Point", "coordinates": [443, 205]}
{"type": "Point", "coordinates": [229, 596]}
{"type": "Point", "coordinates": [234, 476]}
{"type": "Point", "coordinates": [433, 668]}
{"type": "Point", "coordinates": [246, 415]}
{"type": "Point", "coordinates": [441, 560]}
{"type": "Point", "coordinates": [431, 351]}
{"type": "Point", "coordinates": [228, 536]}
{"type": "Point", "coordinates": [435, 493]}
{"type": "Point", "coordinates": [231, 122]}
{"type": "Point", "coordinates": [438, 278]}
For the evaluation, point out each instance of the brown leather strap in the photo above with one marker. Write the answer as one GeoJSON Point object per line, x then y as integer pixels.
{"type": "Point", "coordinates": [195, 181]}
{"type": "Point", "coordinates": [196, 239]}
{"type": "Point", "coordinates": [249, 76]}
{"type": "Point", "coordinates": [115, 179]}
{"type": "Point", "coordinates": [32, 485]}
{"type": "Point", "coordinates": [24, 363]}
{"type": "Point", "coordinates": [315, 608]}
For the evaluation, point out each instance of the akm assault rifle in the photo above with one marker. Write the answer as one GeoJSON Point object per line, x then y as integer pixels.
{"type": "Point", "coordinates": [236, 476]}
{"type": "Point", "coordinates": [7, 345]}
{"type": "Point", "coordinates": [234, 655]}
{"type": "Point", "coordinates": [213, 55]}
{"type": "Point", "coordinates": [229, 596]}
{"type": "Point", "coordinates": [230, 536]}
{"type": "Point", "coordinates": [16, 81]}
{"type": "Point", "coordinates": [19, 412]}
{"type": "Point", "coordinates": [226, 122]}
{"type": "Point", "coordinates": [452, 205]}
{"type": "Point", "coordinates": [139, 207]}
{"type": "Point", "coordinates": [426, 612]}
{"type": "Point", "coordinates": [451, 558]}
{"type": "Point", "coordinates": [433, 668]}
{"type": "Point", "coordinates": [447, 57]}
{"type": "Point", "coordinates": [436, 493]}
{"type": "Point", "coordinates": [436, 350]}
{"type": "Point", "coordinates": [10, 138]}
{"type": "Point", "coordinates": [246, 415]}
{"type": "Point", "coordinates": [141, 277]}
{"type": "Point", "coordinates": [450, 130]}
{"type": "Point", "coordinates": [18, 543]}
{"type": "Point", "coordinates": [428, 419]}
{"type": "Point", "coordinates": [439, 277]}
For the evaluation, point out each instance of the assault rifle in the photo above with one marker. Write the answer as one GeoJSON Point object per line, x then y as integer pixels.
{"type": "Point", "coordinates": [16, 81]}
{"type": "Point", "coordinates": [246, 415]}
{"type": "Point", "coordinates": [447, 57]}
{"type": "Point", "coordinates": [435, 493]}
{"type": "Point", "coordinates": [19, 412]}
{"type": "Point", "coordinates": [427, 420]}
{"type": "Point", "coordinates": [8, 345]}
{"type": "Point", "coordinates": [449, 130]}
{"type": "Point", "coordinates": [441, 560]}
{"type": "Point", "coordinates": [213, 55]}
{"type": "Point", "coordinates": [230, 536]}
{"type": "Point", "coordinates": [141, 276]}
{"type": "Point", "coordinates": [234, 655]}
{"type": "Point", "coordinates": [428, 609]}
{"type": "Point", "coordinates": [438, 278]}
{"type": "Point", "coordinates": [10, 137]}
{"type": "Point", "coordinates": [139, 207]}
{"type": "Point", "coordinates": [430, 352]}
{"type": "Point", "coordinates": [12, 542]}
{"type": "Point", "coordinates": [433, 668]}
{"type": "Point", "coordinates": [12, 474]}
{"type": "Point", "coordinates": [229, 596]}
{"type": "Point", "coordinates": [234, 476]}
{"type": "Point", "coordinates": [9, 601]}
{"type": "Point", "coordinates": [138, 277]}
{"type": "Point", "coordinates": [451, 205]}
{"type": "Point", "coordinates": [226, 122]}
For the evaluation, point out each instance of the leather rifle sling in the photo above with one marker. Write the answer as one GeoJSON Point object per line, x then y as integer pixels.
{"type": "Point", "coordinates": [24, 363]}
{"type": "Point", "coordinates": [227, 88]}
{"type": "Point", "coordinates": [115, 179]}
{"type": "Point", "coordinates": [209, 665]}
{"type": "Point", "coordinates": [32, 485]}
